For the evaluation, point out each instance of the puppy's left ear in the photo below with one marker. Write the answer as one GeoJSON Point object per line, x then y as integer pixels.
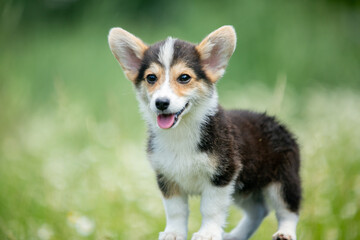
{"type": "Point", "coordinates": [215, 51]}
{"type": "Point", "coordinates": [128, 50]}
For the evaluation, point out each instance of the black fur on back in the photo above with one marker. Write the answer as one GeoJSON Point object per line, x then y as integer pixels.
{"type": "Point", "coordinates": [263, 149]}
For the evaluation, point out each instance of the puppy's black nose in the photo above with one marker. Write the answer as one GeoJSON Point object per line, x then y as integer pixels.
{"type": "Point", "coordinates": [162, 103]}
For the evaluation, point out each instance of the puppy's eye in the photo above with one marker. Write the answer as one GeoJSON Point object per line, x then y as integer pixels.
{"type": "Point", "coordinates": [184, 78]}
{"type": "Point", "coordinates": [151, 78]}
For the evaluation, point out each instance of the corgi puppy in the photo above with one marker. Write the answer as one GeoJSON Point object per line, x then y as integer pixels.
{"type": "Point", "coordinates": [197, 148]}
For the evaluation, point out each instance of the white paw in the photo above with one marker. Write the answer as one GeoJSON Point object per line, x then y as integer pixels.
{"type": "Point", "coordinates": [171, 236]}
{"type": "Point", "coordinates": [206, 236]}
{"type": "Point", "coordinates": [280, 235]}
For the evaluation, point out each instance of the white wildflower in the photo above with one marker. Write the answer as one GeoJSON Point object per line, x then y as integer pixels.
{"type": "Point", "coordinates": [45, 232]}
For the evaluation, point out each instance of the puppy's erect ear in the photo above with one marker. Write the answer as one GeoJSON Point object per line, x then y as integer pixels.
{"type": "Point", "coordinates": [128, 50]}
{"type": "Point", "coordinates": [215, 51]}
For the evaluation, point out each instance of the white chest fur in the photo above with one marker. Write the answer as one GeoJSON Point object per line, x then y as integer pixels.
{"type": "Point", "coordinates": [176, 156]}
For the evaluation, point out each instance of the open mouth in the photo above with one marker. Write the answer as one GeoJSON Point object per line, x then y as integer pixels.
{"type": "Point", "coordinates": [166, 121]}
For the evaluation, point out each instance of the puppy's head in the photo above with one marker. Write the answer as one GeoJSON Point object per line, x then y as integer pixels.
{"type": "Point", "coordinates": [173, 77]}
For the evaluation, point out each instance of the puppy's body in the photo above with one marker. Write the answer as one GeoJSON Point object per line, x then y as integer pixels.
{"type": "Point", "coordinates": [196, 147]}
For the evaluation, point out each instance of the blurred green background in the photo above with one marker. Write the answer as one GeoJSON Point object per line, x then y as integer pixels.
{"type": "Point", "coordinates": [72, 142]}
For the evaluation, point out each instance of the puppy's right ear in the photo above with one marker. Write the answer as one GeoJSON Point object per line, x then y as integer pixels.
{"type": "Point", "coordinates": [128, 50]}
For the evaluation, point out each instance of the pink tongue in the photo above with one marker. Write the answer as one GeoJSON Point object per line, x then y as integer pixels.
{"type": "Point", "coordinates": [166, 121]}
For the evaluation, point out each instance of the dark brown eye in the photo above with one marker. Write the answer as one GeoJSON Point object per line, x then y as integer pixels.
{"type": "Point", "coordinates": [184, 78]}
{"type": "Point", "coordinates": [151, 78]}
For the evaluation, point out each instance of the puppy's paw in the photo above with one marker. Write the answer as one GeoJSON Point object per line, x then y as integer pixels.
{"type": "Point", "coordinates": [171, 236]}
{"type": "Point", "coordinates": [280, 235]}
{"type": "Point", "coordinates": [206, 236]}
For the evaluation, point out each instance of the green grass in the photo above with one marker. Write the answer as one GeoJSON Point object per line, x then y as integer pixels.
{"type": "Point", "coordinates": [62, 161]}
{"type": "Point", "coordinates": [72, 143]}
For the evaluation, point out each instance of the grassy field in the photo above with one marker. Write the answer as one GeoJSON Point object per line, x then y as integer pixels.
{"type": "Point", "coordinates": [72, 143]}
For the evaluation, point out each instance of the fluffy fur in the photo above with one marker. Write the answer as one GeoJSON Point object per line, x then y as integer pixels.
{"type": "Point", "coordinates": [197, 147]}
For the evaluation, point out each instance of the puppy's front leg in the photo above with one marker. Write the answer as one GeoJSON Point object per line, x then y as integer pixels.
{"type": "Point", "coordinates": [176, 208]}
{"type": "Point", "coordinates": [214, 206]}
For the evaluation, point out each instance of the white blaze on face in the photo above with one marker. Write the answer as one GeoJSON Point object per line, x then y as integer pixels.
{"type": "Point", "coordinates": [169, 117]}
{"type": "Point", "coordinates": [166, 54]}
{"type": "Point", "coordinates": [165, 57]}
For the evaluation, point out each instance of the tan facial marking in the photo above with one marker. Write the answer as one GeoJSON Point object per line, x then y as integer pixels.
{"type": "Point", "coordinates": [179, 88]}
{"type": "Point", "coordinates": [175, 72]}
{"type": "Point", "coordinates": [159, 71]}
